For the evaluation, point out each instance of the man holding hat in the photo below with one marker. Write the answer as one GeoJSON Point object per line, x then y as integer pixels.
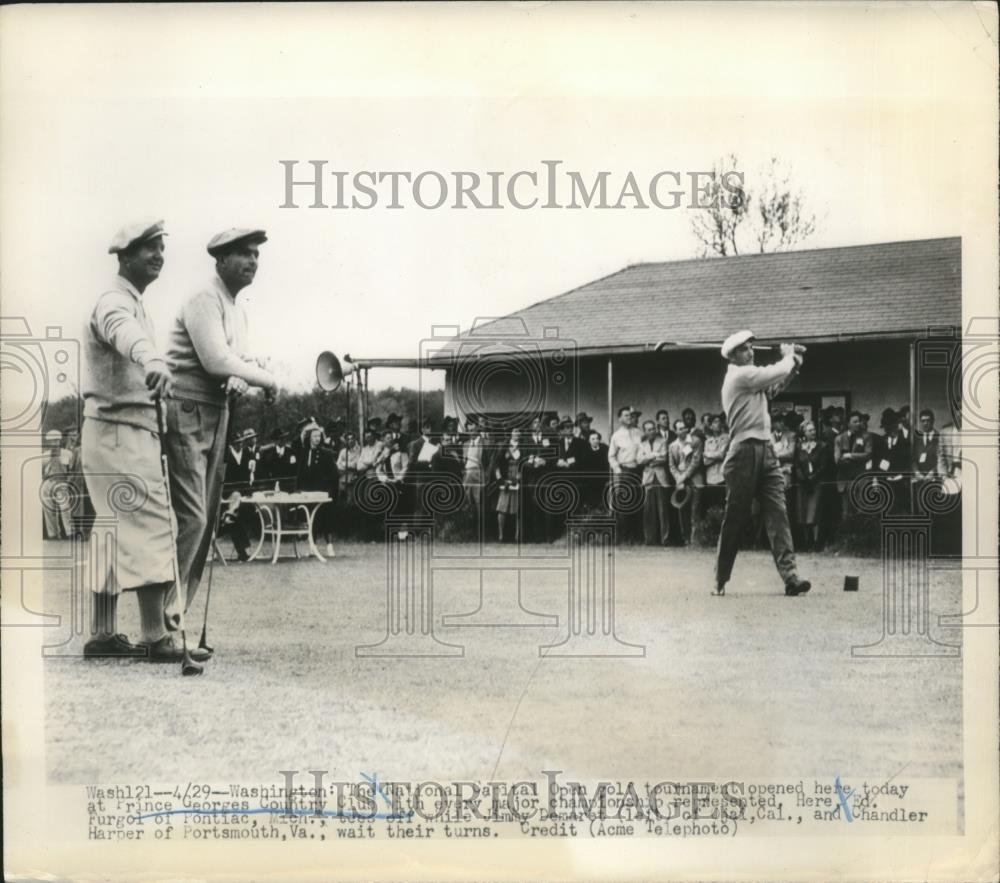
{"type": "Point", "coordinates": [751, 469]}
{"type": "Point", "coordinates": [120, 448]}
{"type": "Point", "coordinates": [208, 357]}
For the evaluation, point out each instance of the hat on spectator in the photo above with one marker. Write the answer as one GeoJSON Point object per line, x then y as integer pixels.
{"type": "Point", "coordinates": [138, 231]}
{"type": "Point", "coordinates": [736, 340]}
{"type": "Point", "coordinates": [229, 239]}
{"type": "Point", "coordinates": [53, 435]}
{"type": "Point", "coordinates": [680, 497]}
{"type": "Point", "coordinates": [583, 417]}
{"type": "Point", "coordinates": [249, 434]}
{"type": "Point", "coordinates": [278, 434]}
{"type": "Point", "coordinates": [888, 416]}
{"type": "Point", "coordinates": [566, 423]}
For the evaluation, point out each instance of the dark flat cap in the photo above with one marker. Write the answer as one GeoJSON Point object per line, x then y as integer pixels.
{"type": "Point", "coordinates": [229, 239]}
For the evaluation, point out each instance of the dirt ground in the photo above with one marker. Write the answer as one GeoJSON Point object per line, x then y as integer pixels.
{"type": "Point", "coordinates": [753, 684]}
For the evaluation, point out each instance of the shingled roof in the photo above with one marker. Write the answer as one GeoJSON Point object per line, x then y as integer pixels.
{"type": "Point", "coordinates": [883, 290]}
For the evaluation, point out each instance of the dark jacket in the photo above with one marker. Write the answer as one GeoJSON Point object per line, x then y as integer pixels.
{"type": "Point", "coordinates": [317, 471]}
{"type": "Point", "coordinates": [280, 469]}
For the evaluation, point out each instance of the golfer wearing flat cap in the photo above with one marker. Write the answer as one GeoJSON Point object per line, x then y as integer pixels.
{"type": "Point", "coordinates": [751, 468]}
{"type": "Point", "coordinates": [207, 355]}
{"type": "Point", "coordinates": [120, 448]}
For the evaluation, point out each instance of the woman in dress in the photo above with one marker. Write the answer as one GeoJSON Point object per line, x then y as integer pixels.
{"type": "Point", "coordinates": [812, 469]}
{"type": "Point", "coordinates": [318, 472]}
{"type": "Point", "coordinates": [508, 473]}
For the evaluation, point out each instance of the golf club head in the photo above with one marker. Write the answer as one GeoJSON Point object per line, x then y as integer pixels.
{"type": "Point", "coordinates": [190, 668]}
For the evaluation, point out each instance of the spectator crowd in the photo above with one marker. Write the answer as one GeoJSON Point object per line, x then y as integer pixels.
{"type": "Point", "coordinates": [662, 479]}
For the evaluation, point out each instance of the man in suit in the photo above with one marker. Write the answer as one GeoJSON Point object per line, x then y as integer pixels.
{"type": "Point", "coordinates": [279, 463]}
{"type": "Point", "coordinates": [252, 455]}
{"type": "Point", "coordinates": [892, 459]}
{"type": "Point", "coordinates": [236, 475]}
{"type": "Point", "coordinates": [928, 461]}
{"type": "Point", "coordinates": [684, 458]}
{"type": "Point", "coordinates": [663, 427]}
{"type": "Point", "coordinates": [655, 486]}
{"type": "Point", "coordinates": [566, 463]}
{"type": "Point", "coordinates": [853, 449]}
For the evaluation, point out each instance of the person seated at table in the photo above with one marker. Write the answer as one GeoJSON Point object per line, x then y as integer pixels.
{"type": "Point", "coordinates": [232, 524]}
{"type": "Point", "coordinates": [318, 472]}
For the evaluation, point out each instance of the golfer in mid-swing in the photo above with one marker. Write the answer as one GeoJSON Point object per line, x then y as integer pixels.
{"type": "Point", "coordinates": [751, 467]}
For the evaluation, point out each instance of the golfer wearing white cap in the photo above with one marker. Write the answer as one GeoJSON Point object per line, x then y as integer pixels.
{"type": "Point", "coordinates": [208, 357]}
{"type": "Point", "coordinates": [751, 468]}
{"type": "Point", "coordinates": [120, 448]}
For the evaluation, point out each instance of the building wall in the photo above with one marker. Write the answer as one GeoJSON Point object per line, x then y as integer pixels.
{"type": "Point", "coordinates": [874, 374]}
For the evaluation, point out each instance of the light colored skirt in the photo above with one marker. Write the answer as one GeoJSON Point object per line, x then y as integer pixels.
{"type": "Point", "coordinates": [121, 465]}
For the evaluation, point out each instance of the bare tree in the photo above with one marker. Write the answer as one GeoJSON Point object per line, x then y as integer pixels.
{"type": "Point", "coordinates": [768, 215]}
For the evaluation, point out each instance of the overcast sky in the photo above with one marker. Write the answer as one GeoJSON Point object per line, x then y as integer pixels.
{"type": "Point", "coordinates": [886, 115]}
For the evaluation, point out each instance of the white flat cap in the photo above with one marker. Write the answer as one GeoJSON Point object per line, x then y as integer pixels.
{"type": "Point", "coordinates": [233, 236]}
{"type": "Point", "coordinates": [138, 231]}
{"type": "Point", "coordinates": [735, 340]}
{"type": "Point", "coordinates": [53, 435]}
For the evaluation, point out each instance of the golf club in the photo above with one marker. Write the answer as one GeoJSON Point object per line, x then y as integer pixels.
{"type": "Point", "coordinates": [189, 668]}
{"type": "Point", "coordinates": [203, 643]}
{"type": "Point", "coordinates": [683, 344]}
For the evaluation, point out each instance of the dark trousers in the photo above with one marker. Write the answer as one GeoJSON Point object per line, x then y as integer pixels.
{"type": "Point", "coordinates": [655, 515]}
{"type": "Point", "coordinates": [752, 472]}
{"type": "Point", "coordinates": [196, 444]}
{"type": "Point", "coordinates": [534, 520]}
{"type": "Point", "coordinates": [628, 503]}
